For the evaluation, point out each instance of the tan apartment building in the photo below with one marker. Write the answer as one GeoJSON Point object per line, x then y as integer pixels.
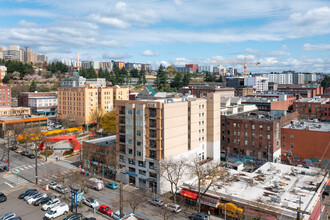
{"type": "Point", "coordinates": [80, 103]}
{"type": "Point", "coordinates": [149, 131]}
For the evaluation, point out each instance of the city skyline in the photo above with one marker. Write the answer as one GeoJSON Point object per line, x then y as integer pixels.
{"type": "Point", "coordinates": [280, 35]}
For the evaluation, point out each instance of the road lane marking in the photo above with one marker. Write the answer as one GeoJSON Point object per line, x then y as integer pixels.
{"type": "Point", "coordinates": [9, 185]}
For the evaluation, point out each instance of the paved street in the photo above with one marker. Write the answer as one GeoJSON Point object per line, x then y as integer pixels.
{"type": "Point", "coordinates": [13, 184]}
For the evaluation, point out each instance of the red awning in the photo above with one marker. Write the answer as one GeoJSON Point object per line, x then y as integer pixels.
{"type": "Point", "coordinates": [189, 194]}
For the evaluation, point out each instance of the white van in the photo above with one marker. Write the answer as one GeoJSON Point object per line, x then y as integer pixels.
{"type": "Point", "coordinates": [95, 183]}
{"type": "Point", "coordinates": [173, 207]}
{"type": "Point", "coordinates": [57, 211]}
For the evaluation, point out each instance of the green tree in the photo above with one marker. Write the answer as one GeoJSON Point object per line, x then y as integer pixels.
{"type": "Point", "coordinates": [107, 75]}
{"type": "Point", "coordinates": [108, 122]}
{"type": "Point", "coordinates": [91, 73]}
{"type": "Point", "coordinates": [33, 86]}
{"type": "Point", "coordinates": [186, 79]}
{"type": "Point", "coordinates": [82, 73]}
{"type": "Point", "coordinates": [123, 75]}
{"type": "Point", "coordinates": [209, 77]}
{"type": "Point", "coordinates": [161, 78]}
{"type": "Point", "coordinates": [6, 79]}
{"type": "Point", "coordinates": [134, 73]}
{"type": "Point", "coordinates": [170, 69]}
{"type": "Point", "coordinates": [220, 79]}
{"type": "Point", "coordinates": [101, 73]}
{"type": "Point", "coordinates": [177, 81]}
{"type": "Point", "coordinates": [325, 83]}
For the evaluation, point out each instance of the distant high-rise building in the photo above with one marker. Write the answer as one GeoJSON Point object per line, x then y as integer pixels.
{"type": "Point", "coordinates": [205, 69]}
{"type": "Point", "coordinates": [88, 64]}
{"type": "Point", "coordinates": [298, 78]}
{"type": "Point", "coordinates": [194, 67]}
{"type": "Point", "coordinates": [260, 83]}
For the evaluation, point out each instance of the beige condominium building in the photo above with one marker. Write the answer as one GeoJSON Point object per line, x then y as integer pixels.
{"type": "Point", "coordinates": [80, 103]}
{"type": "Point", "coordinates": [149, 131]}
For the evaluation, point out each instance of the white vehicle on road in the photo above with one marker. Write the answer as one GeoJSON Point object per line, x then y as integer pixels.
{"type": "Point", "coordinates": [91, 202]}
{"type": "Point", "coordinates": [35, 198]}
{"type": "Point", "coordinates": [52, 185]}
{"type": "Point", "coordinates": [173, 207]}
{"type": "Point", "coordinates": [51, 204]}
{"type": "Point", "coordinates": [95, 183]}
{"type": "Point", "coordinates": [61, 209]}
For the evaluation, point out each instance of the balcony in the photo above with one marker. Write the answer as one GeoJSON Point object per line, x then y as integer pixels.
{"type": "Point", "coordinates": [122, 130]}
{"type": "Point", "coordinates": [122, 139]}
{"type": "Point", "coordinates": [153, 134]}
{"type": "Point", "coordinates": [153, 154]}
{"type": "Point", "coordinates": [153, 144]}
{"type": "Point", "coordinates": [152, 124]}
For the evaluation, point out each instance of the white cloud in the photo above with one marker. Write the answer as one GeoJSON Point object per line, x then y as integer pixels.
{"type": "Point", "coordinates": [115, 22]}
{"type": "Point", "coordinates": [248, 57]}
{"type": "Point", "coordinates": [284, 47]}
{"type": "Point", "coordinates": [279, 53]}
{"type": "Point", "coordinates": [319, 47]}
{"type": "Point", "coordinates": [180, 61]}
{"type": "Point", "coordinates": [149, 53]}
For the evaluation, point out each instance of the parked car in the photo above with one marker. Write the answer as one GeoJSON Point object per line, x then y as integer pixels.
{"type": "Point", "coordinates": [22, 195]}
{"type": "Point", "coordinates": [50, 204]}
{"type": "Point", "coordinates": [90, 218]}
{"type": "Point", "coordinates": [91, 202]}
{"type": "Point", "coordinates": [105, 210]}
{"type": "Point", "coordinates": [31, 156]}
{"type": "Point", "coordinates": [52, 185]}
{"type": "Point", "coordinates": [112, 185]}
{"type": "Point", "coordinates": [16, 218]}
{"type": "Point", "coordinates": [14, 148]}
{"type": "Point", "coordinates": [198, 216]}
{"type": "Point", "coordinates": [173, 207]}
{"type": "Point", "coordinates": [3, 197]}
{"type": "Point", "coordinates": [41, 201]}
{"type": "Point", "coordinates": [35, 198]}
{"type": "Point", "coordinates": [31, 194]}
{"type": "Point", "coordinates": [116, 215]}
{"type": "Point", "coordinates": [25, 153]}
{"type": "Point", "coordinates": [74, 216]}
{"type": "Point", "coordinates": [156, 202]}
{"type": "Point", "coordinates": [61, 189]}
{"type": "Point", "coordinates": [18, 151]}
{"type": "Point", "coordinates": [8, 216]}
{"type": "Point", "coordinates": [61, 209]}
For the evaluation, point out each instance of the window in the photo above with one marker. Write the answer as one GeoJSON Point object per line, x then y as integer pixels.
{"type": "Point", "coordinates": [142, 172]}
{"type": "Point", "coordinates": [128, 121]}
{"type": "Point", "coordinates": [130, 151]}
{"type": "Point", "coordinates": [245, 126]}
{"type": "Point", "coordinates": [142, 164]}
{"type": "Point", "coordinates": [234, 133]}
{"type": "Point", "coordinates": [139, 112]}
{"type": "Point", "coordinates": [139, 123]}
{"type": "Point", "coordinates": [260, 126]}
{"type": "Point", "coordinates": [252, 143]}
{"type": "Point", "coordinates": [291, 145]}
{"type": "Point", "coordinates": [291, 136]}
{"type": "Point", "coordinates": [268, 128]}
{"type": "Point", "coordinates": [138, 143]}
{"type": "Point", "coordinates": [139, 133]}
{"type": "Point", "coordinates": [129, 111]}
{"type": "Point", "coordinates": [131, 161]}
{"type": "Point", "coordinates": [129, 140]}
{"type": "Point", "coordinates": [252, 135]}
{"type": "Point", "coordinates": [234, 125]}
{"type": "Point", "coordinates": [283, 136]}
{"type": "Point", "coordinates": [129, 131]}
{"type": "Point", "coordinates": [253, 126]}
{"type": "Point", "coordinates": [139, 153]}
{"type": "Point", "coordinates": [260, 136]}
{"type": "Point", "coordinates": [245, 142]}
{"type": "Point", "coordinates": [268, 136]}
{"type": "Point", "coordinates": [283, 144]}
{"type": "Point", "coordinates": [245, 134]}
{"type": "Point", "coordinates": [238, 133]}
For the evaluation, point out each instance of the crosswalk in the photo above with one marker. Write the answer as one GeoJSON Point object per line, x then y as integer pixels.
{"type": "Point", "coordinates": [54, 177]}
{"type": "Point", "coordinates": [66, 165]}
{"type": "Point", "coordinates": [13, 180]}
{"type": "Point", "coordinates": [26, 167]}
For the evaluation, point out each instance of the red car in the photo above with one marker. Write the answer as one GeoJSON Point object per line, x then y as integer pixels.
{"type": "Point", "coordinates": [105, 210]}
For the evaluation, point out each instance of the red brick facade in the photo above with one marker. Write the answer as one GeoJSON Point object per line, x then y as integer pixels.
{"type": "Point", "coordinates": [5, 96]}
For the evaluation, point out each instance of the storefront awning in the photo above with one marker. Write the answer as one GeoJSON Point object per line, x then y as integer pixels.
{"type": "Point", "coordinates": [209, 201]}
{"type": "Point", "coordinates": [189, 194]}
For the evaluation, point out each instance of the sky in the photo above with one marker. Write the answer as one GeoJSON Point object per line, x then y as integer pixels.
{"type": "Point", "coordinates": [280, 34]}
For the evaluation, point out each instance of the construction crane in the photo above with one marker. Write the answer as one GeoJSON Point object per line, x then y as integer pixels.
{"type": "Point", "coordinates": [244, 64]}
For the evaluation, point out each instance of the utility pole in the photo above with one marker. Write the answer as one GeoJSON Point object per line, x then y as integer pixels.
{"type": "Point", "coordinates": [36, 161]}
{"type": "Point", "coordinates": [121, 193]}
{"type": "Point", "coordinates": [8, 151]}
{"type": "Point", "coordinates": [298, 212]}
{"type": "Point", "coordinates": [46, 148]}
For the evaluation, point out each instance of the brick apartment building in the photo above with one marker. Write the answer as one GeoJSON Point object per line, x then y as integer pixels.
{"type": "Point", "coordinates": [81, 102]}
{"type": "Point", "coordinates": [149, 131]}
{"type": "Point", "coordinates": [244, 91]}
{"type": "Point", "coordinates": [194, 67]}
{"type": "Point", "coordinates": [325, 108]}
{"type": "Point", "coordinates": [311, 108]}
{"type": "Point", "coordinates": [253, 137]}
{"type": "Point", "coordinates": [41, 103]}
{"type": "Point", "coordinates": [306, 143]}
{"type": "Point", "coordinates": [307, 91]}
{"type": "Point", "coordinates": [99, 155]}
{"type": "Point", "coordinates": [201, 90]}
{"type": "Point", "coordinates": [5, 96]}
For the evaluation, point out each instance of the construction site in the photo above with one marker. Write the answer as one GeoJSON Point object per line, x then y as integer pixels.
{"type": "Point", "coordinates": [274, 191]}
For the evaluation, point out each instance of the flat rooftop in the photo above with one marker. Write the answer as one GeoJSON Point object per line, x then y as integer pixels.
{"type": "Point", "coordinates": [260, 115]}
{"type": "Point", "coordinates": [274, 187]}
{"type": "Point", "coordinates": [309, 125]}
{"type": "Point", "coordinates": [43, 97]}
{"type": "Point", "coordinates": [259, 99]}
{"type": "Point", "coordinates": [104, 141]}
{"type": "Point", "coordinates": [313, 100]}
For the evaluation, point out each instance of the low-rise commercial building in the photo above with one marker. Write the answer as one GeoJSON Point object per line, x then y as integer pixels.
{"type": "Point", "coordinates": [41, 103]}
{"type": "Point", "coordinates": [268, 102]}
{"type": "Point", "coordinates": [244, 91]}
{"type": "Point", "coordinates": [253, 137]}
{"type": "Point", "coordinates": [306, 143]}
{"type": "Point", "coordinates": [100, 157]}
{"type": "Point", "coordinates": [15, 111]}
{"type": "Point", "coordinates": [311, 108]}
{"type": "Point", "coordinates": [306, 91]}
{"type": "Point", "coordinates": [79, 81]}
{"type": "Point", "coordinates": [271, 192]}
